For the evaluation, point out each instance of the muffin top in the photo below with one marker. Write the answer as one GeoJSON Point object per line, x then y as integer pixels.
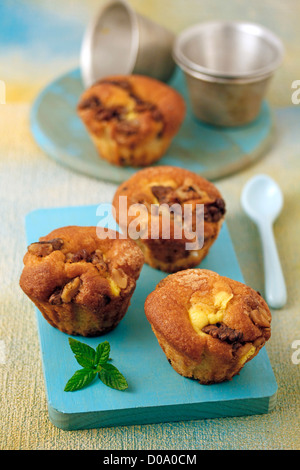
{"type": "Point", "coordinates": [172, 186]}
{"type": "Point", "coordinates": [199, 311]}
{"type": "Point", "coordinates": [73, 264]}
{"type": "Point", "coordinates": [135, 107]}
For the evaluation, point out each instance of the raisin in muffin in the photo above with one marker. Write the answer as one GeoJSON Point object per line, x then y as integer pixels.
{"type": "Point", "coordinates": [179, 198]}
{"type": "Point", "coordinates": [131, 119]}
{"type": "Point", "coordinates": [82, 284]}
{"type": "Point", "coordinates": [208, 326]}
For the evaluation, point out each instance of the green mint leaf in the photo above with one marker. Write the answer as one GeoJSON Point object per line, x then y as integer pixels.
{"type": "Point", "coordinates": [93, 362]}
{"type": "Point", "coordinates": [112, 377]}
{"type": "Point", "coordinates": [84, 354]}
{"type": "Point", "coordinates": [82, 378]}
{"type": "Point", "coordinates": [102, 353]}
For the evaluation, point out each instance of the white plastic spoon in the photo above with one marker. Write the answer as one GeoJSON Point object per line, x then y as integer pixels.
{"type": "Point", "coordinates": [262, 201]}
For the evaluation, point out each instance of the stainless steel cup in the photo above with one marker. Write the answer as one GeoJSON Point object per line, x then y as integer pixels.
{"type": "Point", "coordinates": [121, 41]}
{"type": "Point", "coordinates": [228, 67]}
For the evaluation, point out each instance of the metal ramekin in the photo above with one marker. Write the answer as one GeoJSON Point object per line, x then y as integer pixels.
{"type": "Point", "coordinates": [121, 41]}
{"type": "Point", "coordinates": [228, 67]}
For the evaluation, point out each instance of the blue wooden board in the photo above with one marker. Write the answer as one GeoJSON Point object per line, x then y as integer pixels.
{"type": "Point", "coordinates": [213, 152]}
{"type": "Point", "coordinates": [156, 392]}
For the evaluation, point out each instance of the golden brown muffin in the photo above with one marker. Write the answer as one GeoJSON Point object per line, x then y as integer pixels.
{"type": "Point", "coordinates": [131, 119]}
{"type": "Point", "coordinates": [82, 284]}
{"type": "Point", "coordinates": [164, 187]}
{"type": "Point", "coordinates": [208, 326]}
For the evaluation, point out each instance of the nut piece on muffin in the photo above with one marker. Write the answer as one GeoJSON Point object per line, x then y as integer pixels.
{"type": "Point", "coordinates": [208, 326]}
{"type": "Point", "coordinates": [82, 284]}
{"type": "Point", "coordinates": [180, 193]}
{"type": "Point", "coordinates": [131, 119]}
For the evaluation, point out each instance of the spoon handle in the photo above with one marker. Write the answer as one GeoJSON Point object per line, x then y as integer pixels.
{"type": "Point", "coordinates": [275, 288]}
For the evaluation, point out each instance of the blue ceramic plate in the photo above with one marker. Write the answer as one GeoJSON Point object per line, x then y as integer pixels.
{"type": "Point", "coordinates": [212, 152]}
{"type": "Point", "coordinates": [156, 392]}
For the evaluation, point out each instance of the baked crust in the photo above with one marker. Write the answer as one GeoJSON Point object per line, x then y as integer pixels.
{"type": "Point", "coordinates": [131, 119]}
{"type": "Point", "coordinates": [81, 283]}
{"type": "Point", "coordinates": [218, 351]}
{"type": "Point", "coordinates": [167, 185]}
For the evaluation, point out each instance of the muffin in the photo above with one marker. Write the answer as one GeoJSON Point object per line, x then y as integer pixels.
{"type": "Point", "coordinates": [82, 284]}
{"type": "Point", "coordinates": [173, 197]}
{"type": "Point", "coordinates": [208, 326]}
{"type": "Point", "coordinates": [131, 119]}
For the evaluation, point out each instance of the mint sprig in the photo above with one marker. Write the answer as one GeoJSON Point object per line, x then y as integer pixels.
{"type": "Point", "coordinates": [94, 362]}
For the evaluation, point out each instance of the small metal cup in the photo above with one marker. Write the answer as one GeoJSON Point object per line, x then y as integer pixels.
{"type": "Point", "coordinates": [119, 41]}
{"type": "Point", "coordinates": [228, 67]}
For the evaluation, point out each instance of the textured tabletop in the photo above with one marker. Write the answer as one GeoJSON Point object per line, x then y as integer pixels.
{"type": "Point", "coordinates": [38, 42]}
